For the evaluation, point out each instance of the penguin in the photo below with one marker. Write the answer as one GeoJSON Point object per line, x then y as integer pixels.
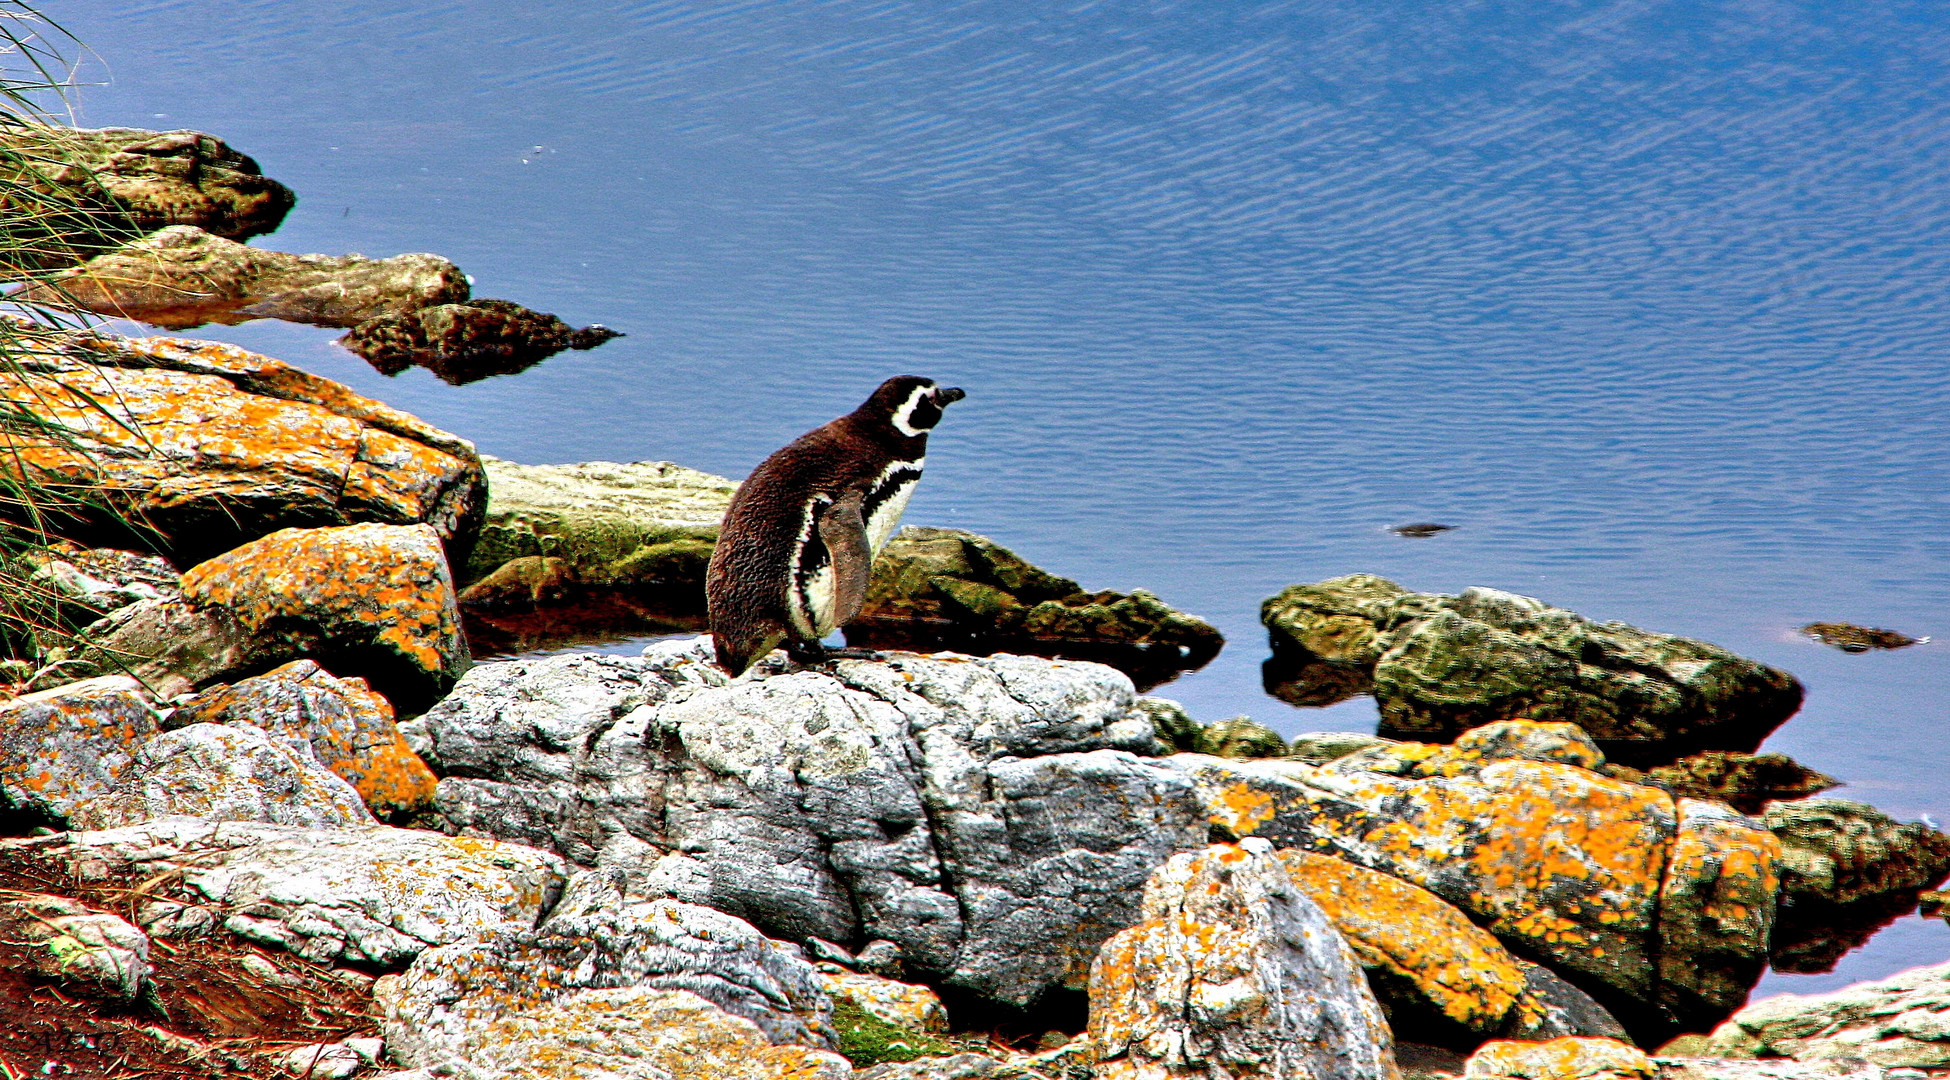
{"type": "Point", "coordinates": [798, 540]}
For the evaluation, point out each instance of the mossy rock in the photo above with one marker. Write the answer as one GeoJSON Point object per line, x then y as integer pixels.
{"type": "Point", "coordinates": [866, 1039]}
{"type": "Point", "coordinates": [605, 519]}
{"type": "Point", "coordinates": [1238, 737]}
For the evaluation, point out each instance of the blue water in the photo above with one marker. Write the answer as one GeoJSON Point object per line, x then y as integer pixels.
{"type": "Point", "coordinates": [1647, 298]}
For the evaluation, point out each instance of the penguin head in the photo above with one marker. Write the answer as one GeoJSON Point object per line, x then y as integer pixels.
{"type": "Point", "coordinates": [909, 404]}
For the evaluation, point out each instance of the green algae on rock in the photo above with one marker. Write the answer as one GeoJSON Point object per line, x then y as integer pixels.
{"type": "Point", "coordinates": [949, 589]}
{"type": "Point", "coordinates": [1442, 664]}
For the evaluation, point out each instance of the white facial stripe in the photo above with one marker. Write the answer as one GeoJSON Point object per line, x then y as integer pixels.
{"type": "Point", "coordinates": [907, 408]}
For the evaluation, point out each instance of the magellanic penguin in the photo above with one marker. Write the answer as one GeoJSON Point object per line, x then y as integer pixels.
{"type": "Point", "coordinates": [798, 540]}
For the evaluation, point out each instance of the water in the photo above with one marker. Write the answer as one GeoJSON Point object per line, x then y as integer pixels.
{"type": "Point", "coordinates": [1647, 298]}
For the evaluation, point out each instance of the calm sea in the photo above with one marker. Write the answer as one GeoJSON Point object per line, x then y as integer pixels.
{"type": "Point", "coordinates": [1647, 298]}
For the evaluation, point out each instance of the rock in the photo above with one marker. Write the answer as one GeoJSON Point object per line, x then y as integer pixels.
{"type": "Point", "coordinates": [1851, 638]}
{"type": "Point", "coordinates": [1568, 1058]}
{"type": "Point", "coordinates": [135, 181]}
{"type": "Point", "coordinates": [462, 342]}
{"type": "Point", "coordinates": [182, 276]}
{"type": "Point", "coordinates": [948, 589]}
{"type": "Point", "coordinates": [1321, 747]}
{"type": "Point", "coordinates": [455, 1003]}
{"type": "Point", "coordinates": [218, 773]}
{"type": "Point", "coordinates": [1233, 971]}
{"type": "Point", "coordinates": [1847, 870]}
{"type": "Point", "coordinates": [374, 895]}
{"type": "Point", "coordinates": [1903, 1020]}
{"type": "Point", "coordinates": [102, 580]}
{"type": "Point", "coordinates": [348, 726]}
{"type": "Point", "coordinates": [1237, 737]}
{"type": "Point", "coordinates": [992, 817]}
{"type": "Point", "coordinates": [1660, 909]}
{"type": "Point", "coordinates": [882, 958]}
{"type": "Point", "coordinates": [1693, 1068]}
{"type": "Point", "coordinates": [323, 1061]}
{"type": "Point", "coordinates": [1840, 851]}
{"type": "Point", "coordinates": [1406, 934]}
{"type": "Point", "coordinates": [1747, 782]}
{"type": "Point", "coordinates": [627, 1034]}
{"type": "Point", "coordinates": [963, 1066]}
{"type": "Point", "coordinates": [372, 600]}
{"type": "Point", "coordinates": [214, 446]}
{"type": "Point", "coordinates": [1443, 664]}
{"type": "Point", "coordinates": [65, 746]}
{"type": "Point", "coordinates": [903, 1005]}
{"type": "Point", "coordinates": [85, 951]}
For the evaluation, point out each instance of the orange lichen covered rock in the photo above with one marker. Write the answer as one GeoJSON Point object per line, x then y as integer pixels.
{"type": "Point", "coordinates": [1560, 1059]}
{"type": "Point", "coordinates": [214, 445]}
{"type": "Point", "coordinates": [63, 746]}
{"type": "Point", "coordinates": [349, 727]}
{"type": "Point", "coordinates": [1461, 968]}
{"type": "Point", "coordinates": [1595, 876]}
{"type": "Point", "coordinates": [214, 772]}
{"type": "Point", "coordinates": [377, 600]}
{"type": "Point", "coordinates": [1233, 973]}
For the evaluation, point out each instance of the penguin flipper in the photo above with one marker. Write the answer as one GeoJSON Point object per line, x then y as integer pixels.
{"type": "Point", "coordinates": [844, 532]}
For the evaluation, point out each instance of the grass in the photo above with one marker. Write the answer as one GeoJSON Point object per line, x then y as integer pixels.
{"type": "Point", "coordinates": [44, 227]}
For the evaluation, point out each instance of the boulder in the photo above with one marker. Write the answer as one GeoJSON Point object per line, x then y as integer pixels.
{"type": "Point", "coordinates": [65, 746]}
{"type": "Point", "coordinates": [1746, 782]}
{"type": "Point", "coordinates": [348, 726]}
{"type": "Point", "coordinates": [370, 600]}
{"type": "Point", "coordinates": [182, 276]}
{"type": "Point", "coordinates": [85, 951]}
{"type": "Point", "coordinates": [375, 895]}
{"type": "Point", "coordinates": [1405, 935]}
{"type": "Point", "coordinates": [1568, 1058]}
{"type": "Point", "coordinates": [992, 817]}
{"type": "Point", "coordinates": [1903, 1020]}
{"type": "Point", "coordinates": [1440, 665]}
{"type": "Point", "coordinates": [909, 1006]}
{"type": "Point", "coordinates": [1659, 909]}
{"type": "Point", "coordinates": [1694, 1068]}
{"type": "Point", "coordinates": [469, 340]}
{"type": "Point", "coordinates": [1232, 972]}
{"type": "Point", "coordinates": [1847, 870]}
{"type": "Point", "coordinates": [217, 773]}
{"type": "Point", "coordinates": [214, 446]}
{"type": "Point", "coordinates": [462, 1002]}
{"type": "Point", "coordinates": [1237, 737]}
{"type": "Point", "coordinates": [133, 181]}
{"type": "Point", "coordinates": [949, 589]}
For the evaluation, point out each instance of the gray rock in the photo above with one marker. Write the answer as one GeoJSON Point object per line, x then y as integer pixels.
{"type": "Point", "coordinates": [1903, 1020]}
{"type": "Point", "coordinates": [64, 746]}
{"type": "Point", "coordinates": [1692, 1068]}
{"type": "Point", "coordinates": [1321, 747]}
{"type": "Point", "coordinates": [1443, 664]}
{"type": "Point", "coordinates": [218, 772]}
{"type": "Point", "coordinates": [85, 951]}
{"type": "Point", "coordinates": [373, 895]}
{"type": "Point", "coordinates": [991, 817]}
{"type": "Point", "coordinates": [1233, 972]}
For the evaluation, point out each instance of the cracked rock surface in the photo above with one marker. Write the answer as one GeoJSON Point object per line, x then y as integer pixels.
{"type": "Point", "coordinates": [992, 817]}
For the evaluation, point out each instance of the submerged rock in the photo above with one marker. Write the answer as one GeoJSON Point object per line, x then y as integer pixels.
{"type": "Point", "coordinates": [1851, 638]}
{"type": "Point", "coordinates": [468, 340]}
{"type": "Point", "coordinates": [992, 816]}
{"type": "Point", "coordinates": [1903, 1020]}
{"type": "Point", "coordinates": [949, 589]}
{"type": "Point", "coordinates": [1660, 908]}
{"type": "Point", "coordinates": [214, 446]}
{"type": "Point", "coordinates": [1442, 664]}
{"type": "Point", "coordinates": [1233, 971]}
{"type": "Point", "coordinates": [182, 276]}
{"type": "Point", "coordinates": [132, 181]}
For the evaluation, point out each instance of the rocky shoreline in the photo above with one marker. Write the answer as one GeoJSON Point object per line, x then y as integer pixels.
{"type": "Point", "coordinates": [265, 808]}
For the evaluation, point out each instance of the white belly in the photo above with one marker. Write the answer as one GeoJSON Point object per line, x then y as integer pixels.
{"type": "Point", "coordinates": [812, 604]}
{"type": "Point", "coordinates": [887, 516]}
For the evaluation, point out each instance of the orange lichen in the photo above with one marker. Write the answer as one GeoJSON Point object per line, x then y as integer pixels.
{"type": "Point", "coordinates": [1568, 1058]}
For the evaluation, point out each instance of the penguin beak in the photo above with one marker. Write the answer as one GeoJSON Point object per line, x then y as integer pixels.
{"type": "Point", "coordinates": [948, 395]}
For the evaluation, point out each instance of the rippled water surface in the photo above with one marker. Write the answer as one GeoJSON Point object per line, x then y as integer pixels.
{"type": "Point", "coordinates": [1649, 299]}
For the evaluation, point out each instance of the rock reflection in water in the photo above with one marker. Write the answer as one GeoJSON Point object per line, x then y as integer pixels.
{"type": "Point", "coordinates": [1310, 682]}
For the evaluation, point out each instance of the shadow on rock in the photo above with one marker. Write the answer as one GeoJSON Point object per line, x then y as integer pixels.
{"type": "Point", "coordinates": [465, 342]}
